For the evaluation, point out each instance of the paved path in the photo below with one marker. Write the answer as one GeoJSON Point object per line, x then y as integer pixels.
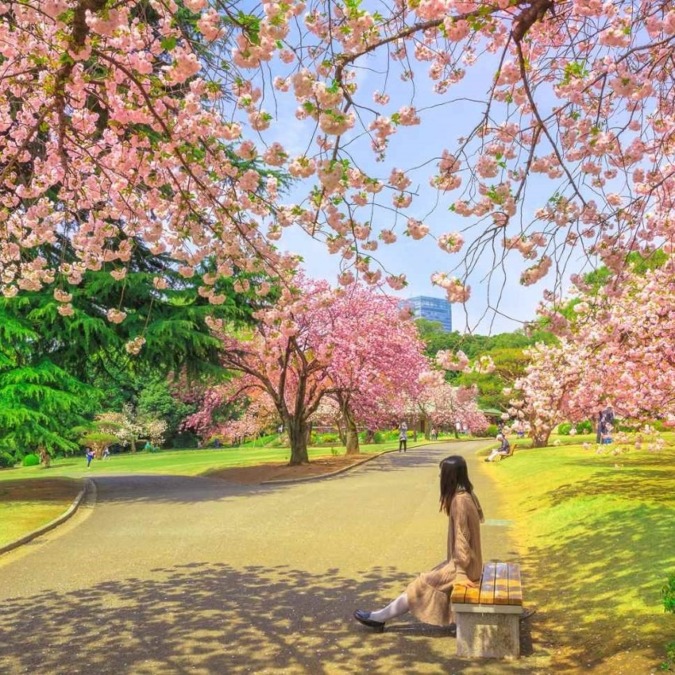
{"type": "Point", "coordinates": [196, 575]}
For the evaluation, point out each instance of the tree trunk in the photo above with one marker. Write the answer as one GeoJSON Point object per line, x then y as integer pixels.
{"type": "Point", "coordinates": [540, 437]}
{"type": "Point", "coordinates": [297, 435]}
{"type": "Point", "coordinates": [352, 433]}
{"type": "Point", "coordinates": [133, 445]}
{"type": "Point", "coordinates": [45, 457]}
{"type": "Point", "coordinates": [341, 433]}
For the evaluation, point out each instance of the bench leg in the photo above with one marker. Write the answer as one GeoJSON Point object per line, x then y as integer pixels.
{"type": "Point", "coordinates": [494, 636]}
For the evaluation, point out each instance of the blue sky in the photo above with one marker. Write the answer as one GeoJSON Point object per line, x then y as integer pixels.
{"type": "Point", "coordinates": [498, 302]}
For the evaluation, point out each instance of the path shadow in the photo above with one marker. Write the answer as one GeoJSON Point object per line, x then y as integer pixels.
{"type": "Point", "coordinates": [211, 618]}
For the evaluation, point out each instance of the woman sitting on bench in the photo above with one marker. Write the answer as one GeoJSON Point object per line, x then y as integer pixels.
{"type": "Point", "coordinates": [428, 597]}
{"type": "Point", "coordinates": [504, 449]}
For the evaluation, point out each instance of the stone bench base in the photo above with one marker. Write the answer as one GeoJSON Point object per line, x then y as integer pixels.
{"type": "Point", "coordinates": [488, 634]}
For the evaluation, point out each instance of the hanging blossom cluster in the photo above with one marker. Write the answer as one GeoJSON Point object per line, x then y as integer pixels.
{"type": "Point", "coordinates": [601, 149]}
{"type": "Point", "coordinates": [110, 131]}
{"type": "Point", "coordinates": [118, 122]}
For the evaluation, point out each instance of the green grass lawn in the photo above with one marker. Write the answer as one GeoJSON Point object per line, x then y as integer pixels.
{"type": "Point", "coordinates": [597, 533]}
{"type": "Point", "coordinates": [177, 462]}
{"type": "Point", "coordinates": [33, 496]}
{"type": "Point", "coordinates": [27, 505]}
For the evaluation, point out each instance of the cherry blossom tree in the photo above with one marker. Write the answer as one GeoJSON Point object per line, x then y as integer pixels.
{"type": "Point", "coordinates": [440, 404]}
{"type": "Point", "coordinates": [547, 391]}
{"type": "Point", "coordinates": [352, 345]}
{"type": "Point", "coordinates": [376, 358]}
{"type": "Point", "coordinates": [121, 122]}
{"type": "Point", "coordinates": [233, 410]}
{"type": "Point", "coordinates": [287, 356]}
{"type": "Point", "coordinates": [616, 345]}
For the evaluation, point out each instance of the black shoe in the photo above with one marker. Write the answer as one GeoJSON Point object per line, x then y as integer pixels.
{"type": "Point", "coordinates": [364, 618]}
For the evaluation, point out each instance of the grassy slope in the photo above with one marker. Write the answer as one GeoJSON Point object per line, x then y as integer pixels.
{"type": "Point", "coordinates": [598, 538]}
{"type": "Point", "coordinates": [33, 496]}
{"type": "Point", "coordinates": [27, 505]}
{"type": "Point", "coordinates": [176, 462]}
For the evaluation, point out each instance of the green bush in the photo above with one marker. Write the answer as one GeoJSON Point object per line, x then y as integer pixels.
{"type": "Point", "coordinates": [6, 460]}
{"type": "Point", "coordinates": [668, 594]}
{"type": "Point", "coordinates": [491, 431]}
{"type": "Point", "coordinates": [185, 439]}
{"type": "Point", "coordinates": [378, 437]}
{"type": "Point", "coordinates": [585, 427]}
{"type": "Point", "coordinates": [31, 460]}
{"type": "Point", "coordinates": [327, 439]}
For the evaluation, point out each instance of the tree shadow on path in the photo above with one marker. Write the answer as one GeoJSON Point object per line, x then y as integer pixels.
{"type": "Point", "coordinates": [211, 618]}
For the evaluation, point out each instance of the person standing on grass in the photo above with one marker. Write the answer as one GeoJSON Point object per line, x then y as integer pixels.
{"type": "Point", "coordinates": [403, 437]}
{"type": "Point", "coordinates": [89, 455]}
{"type": "Point", "coordinates": [428, 596]}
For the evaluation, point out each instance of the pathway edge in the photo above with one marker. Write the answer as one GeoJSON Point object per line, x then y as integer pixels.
{"type": "Point", "coordinates": [70, 511]}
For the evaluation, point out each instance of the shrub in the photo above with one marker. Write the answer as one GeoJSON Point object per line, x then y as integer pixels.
{"type": "Point", "coordinates": [185, 439]}
{"type": "Point", "coordinates": [585, 427]}
{"type": "Point", "coordinates": [31, 460]}
{"type": "Point", "coordinates": [490, 432]}
{"type": "Point", "coordinates": [327, 439]}
{"type": "Point", "coordinates": [668, 594]}
{"type": "Point", "coordinates": [378, 437]}
{"type": "Point", "coordinates": [6, 460]}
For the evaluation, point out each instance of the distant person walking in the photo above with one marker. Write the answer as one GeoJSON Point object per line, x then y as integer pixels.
{"type": "Point", "coordinates": [605, 424]}
{"type": "Point", "coordinates": [89, 455]}
{"type": "Point", "coordinates": [403, 437]}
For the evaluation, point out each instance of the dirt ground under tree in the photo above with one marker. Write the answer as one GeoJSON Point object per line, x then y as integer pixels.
{"type": "Point", "coordinates": [274, 471]}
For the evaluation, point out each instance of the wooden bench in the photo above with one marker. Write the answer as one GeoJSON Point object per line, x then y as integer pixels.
{"type": "Point", "coordinates": [488, 617]}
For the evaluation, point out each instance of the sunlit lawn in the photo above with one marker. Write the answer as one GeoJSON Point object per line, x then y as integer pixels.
{"type": "Point", "coordinates": [32, 496]}
{"type": "Point", "coordinates": [599, 532]}
{"type": "Point", "coordinates": [177, 462]}
{"type": "Point", "coordinates": [28, 505]}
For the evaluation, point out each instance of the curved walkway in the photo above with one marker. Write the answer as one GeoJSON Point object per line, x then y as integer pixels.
{"type": "Point", "coordinates": [196, 575]}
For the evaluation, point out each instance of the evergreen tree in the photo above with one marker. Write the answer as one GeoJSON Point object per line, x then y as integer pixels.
{"type": "Point", "coordinates": [39, 401]}
{"type": "Point", "coordinates": [81, 347]}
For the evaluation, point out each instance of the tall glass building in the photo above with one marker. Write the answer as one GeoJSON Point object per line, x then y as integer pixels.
{"type": "Point", "coordinates": [432, 309]}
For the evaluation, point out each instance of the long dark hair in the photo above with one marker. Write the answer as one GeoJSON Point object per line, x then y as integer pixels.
{"type": "Point", "coordinates": [454, 476]}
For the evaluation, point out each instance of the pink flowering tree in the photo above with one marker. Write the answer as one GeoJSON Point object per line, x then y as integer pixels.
{"type": "Point", "coordinates": [119, 122]}
{"type": "Point", "coordinates": [546, 395]}
{"type": "Point", "coordinates": [617, 345]}
{"type": "Point", "coordinates": [351, 345]}
{"type": "Point", "coordinates": [440, 404]}
{"type": "Point", "coordinates": [286, 357]}
{"type": "Point", "coordinates": [233, 410]}
{"type": "Point", "coordinates": [376, 358]}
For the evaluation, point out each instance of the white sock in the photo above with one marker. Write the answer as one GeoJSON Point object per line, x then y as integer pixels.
{"type": "Point", "coordinates": [392, 610]}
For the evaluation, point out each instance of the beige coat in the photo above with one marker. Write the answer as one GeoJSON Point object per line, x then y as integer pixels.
{"type": "Point", "coordinates": [429, 594]}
